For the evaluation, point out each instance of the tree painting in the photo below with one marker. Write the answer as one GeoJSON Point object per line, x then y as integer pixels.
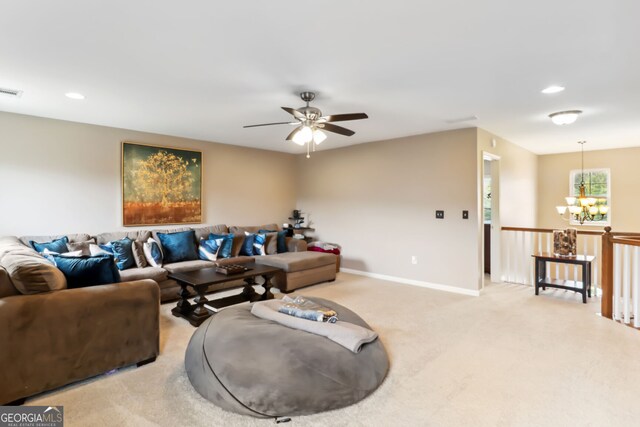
{"type": "Point", "coordinates": [160, 185]}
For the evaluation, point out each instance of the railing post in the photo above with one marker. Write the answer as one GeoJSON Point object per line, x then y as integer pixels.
{"type": "Point", "coordinates": [606, 280]}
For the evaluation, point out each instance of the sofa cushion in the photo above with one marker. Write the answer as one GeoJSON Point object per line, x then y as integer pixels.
{"type": "Point", "coordinates": [203, 232]}
{"type": "Point", "coordinates": [58, 245]}
{"type": "Point", "coordinates": [31, 273]}
{"type": "Point", "coordinates": [85, 247]}
{"type": "Point", "coordinates": [180, 267]}
{"type": "Point", "coordinates": [179, 246]}
{"type": "Point", "coordinates": [80, 237]}
{"type": "Point", "coordinates": [6, 286]}
{"type": "Point", "coordinates": [138, 254]}
{"type": "Point", "coordinates": [154, 273]}
{"type": "Point", "coordinates": [86, 271]}
{"type": "Point", "coordinates": [139, 235]}
{"type": "Point", "coordinates": [297, 261]}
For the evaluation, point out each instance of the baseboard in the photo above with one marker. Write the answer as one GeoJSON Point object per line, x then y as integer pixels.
{"type": "Point", "coordinates": [436, 286]}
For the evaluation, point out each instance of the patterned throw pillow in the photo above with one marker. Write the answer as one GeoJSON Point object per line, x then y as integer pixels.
{"type": "Point", "coordinates": [153, 253]}
{"type": "Point", "coordinates": [225, 243]}
{"type": "Point", "coordinates": [208, 249]}
{"type": "Point", "coordinates": [259, 242]}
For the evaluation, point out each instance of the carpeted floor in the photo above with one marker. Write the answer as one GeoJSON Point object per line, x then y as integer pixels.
{"type": "Point", "coordinates": [507, 358]}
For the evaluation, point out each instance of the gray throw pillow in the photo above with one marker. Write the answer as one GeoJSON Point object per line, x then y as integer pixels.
{"type": "Point", "coordinates": [81, 246]}
{"type": "Point", "coordinates": [138, 254]}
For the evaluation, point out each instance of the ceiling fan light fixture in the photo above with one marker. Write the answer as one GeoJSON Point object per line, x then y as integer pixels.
{"type": "Point", "coordinates": [565, 117]}
{"type": "Point", "coordinates": [318, 136]}
{"type": "Point", "coordinates": [303, 136]}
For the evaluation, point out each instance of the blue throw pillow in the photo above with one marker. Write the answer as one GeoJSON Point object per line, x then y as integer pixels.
{"type": "Point", "coordinates": [58, 245]}
{"type": "Point", "coordinates": [85, 271]}
{"type": "Point", "coordinates": [180, 246]}
{"type": "Point", "coordinates": [123, 253]}
{"type": "Point", "coordinates": [107, 247]}
{"type": "Point", "coordinates": [247, 245]}
{"type": "Point", "coordinates": [226, 244]}
{"type": "Point", "coordinates": [281, 239]}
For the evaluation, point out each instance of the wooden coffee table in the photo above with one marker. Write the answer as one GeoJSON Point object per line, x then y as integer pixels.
{"type": "Point", "coordinates": [201, 280]}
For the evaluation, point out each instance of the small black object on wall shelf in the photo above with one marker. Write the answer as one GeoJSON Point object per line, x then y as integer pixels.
{"type": "Point", "coordinates": [439, 214]}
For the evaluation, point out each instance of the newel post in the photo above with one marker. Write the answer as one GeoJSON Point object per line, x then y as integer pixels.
{"type": "Point", "coordinates": [606, 281]}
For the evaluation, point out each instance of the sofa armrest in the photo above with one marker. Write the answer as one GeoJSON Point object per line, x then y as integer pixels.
{"type": "Point", "coordinates": [296, 245]}
{"type": "Point", "coordinates": [52, 339]}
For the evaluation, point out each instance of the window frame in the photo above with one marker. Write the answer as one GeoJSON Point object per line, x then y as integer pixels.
{"type": "Point", "coordinates": [572, 175]}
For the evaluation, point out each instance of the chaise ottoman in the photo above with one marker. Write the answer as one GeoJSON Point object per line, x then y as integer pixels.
{"type": "Point", "coordinates": [300, 269]}
{"type": "Point", "coordinates": [257, 367]}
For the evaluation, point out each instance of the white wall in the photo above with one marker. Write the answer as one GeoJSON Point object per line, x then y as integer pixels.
{"type": "Point", "coordinates": [61, 177]}
{"type": "Point", "coordinates": [378, 200]}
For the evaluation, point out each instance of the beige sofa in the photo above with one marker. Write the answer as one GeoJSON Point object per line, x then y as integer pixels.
{"type": "Point", "coordinates": [51, 336]}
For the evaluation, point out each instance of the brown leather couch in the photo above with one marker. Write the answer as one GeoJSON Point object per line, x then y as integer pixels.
{"type": "Point", "coordinates": [51, 336]}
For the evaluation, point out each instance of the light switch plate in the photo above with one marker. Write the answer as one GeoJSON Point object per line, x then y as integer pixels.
{"type": "Point", "coordinates": [439, 214]}
{"type": "Point", "coordinates": [465, 214]}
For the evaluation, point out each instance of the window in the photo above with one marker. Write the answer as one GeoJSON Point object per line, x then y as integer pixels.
{"type": "Point", "coordinates": [597, 184]}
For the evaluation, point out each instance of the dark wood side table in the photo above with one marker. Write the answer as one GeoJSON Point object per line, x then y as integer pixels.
{"type": "Point", "coordinates": [201, 281]}
{"type": "Point", "coordinates": [583, 287]}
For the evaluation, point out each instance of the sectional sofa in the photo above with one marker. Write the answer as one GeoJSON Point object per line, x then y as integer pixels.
{"type": "Point", "coordinates": [51, 336]}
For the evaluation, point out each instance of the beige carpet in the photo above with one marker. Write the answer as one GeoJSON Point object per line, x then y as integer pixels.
{"type": "Point", "coordinates": [507, 358]}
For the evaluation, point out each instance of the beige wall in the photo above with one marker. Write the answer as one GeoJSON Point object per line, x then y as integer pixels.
{"type": "Point", "coordinates": [64, 177]}
{"type": "Point", "coordinates": [378, 200]}
{"type": "Point", "coordinates": [553, 185]}
{"type": "Point", "coordinates": [518, 180]}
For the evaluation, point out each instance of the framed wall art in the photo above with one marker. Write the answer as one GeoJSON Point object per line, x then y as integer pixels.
{"type": "Point", "coordinates": [160, 185]}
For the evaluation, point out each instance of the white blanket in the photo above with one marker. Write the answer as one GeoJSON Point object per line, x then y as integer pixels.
{"type": "Point", "coordinates": [348, 335]}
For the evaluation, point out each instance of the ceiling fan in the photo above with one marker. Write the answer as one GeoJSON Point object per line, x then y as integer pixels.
{"type": "Point", "coordinates": [311, 123]}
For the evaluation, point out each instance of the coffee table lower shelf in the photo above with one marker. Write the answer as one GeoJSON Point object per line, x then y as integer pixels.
{"type": "Point", "coordinates": [203, 280]}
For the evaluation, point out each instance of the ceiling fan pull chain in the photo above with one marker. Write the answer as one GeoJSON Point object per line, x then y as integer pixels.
{"type": "Point", "coordinates": [308, 155]}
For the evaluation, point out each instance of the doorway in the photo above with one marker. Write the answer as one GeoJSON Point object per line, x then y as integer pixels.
{"type": "Point", "coordinates": [491, 216]}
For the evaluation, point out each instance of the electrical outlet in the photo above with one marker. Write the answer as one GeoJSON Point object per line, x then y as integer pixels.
{"type": "Point", "coordinates": [439, 214]}
{"type": "Point", "coordinates": [465, 214]}
{"type": "Point", "coordinates": [414, 259]}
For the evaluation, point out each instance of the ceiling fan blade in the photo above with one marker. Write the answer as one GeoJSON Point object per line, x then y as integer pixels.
{"type": "Point", "coordinates": [268, 124]}
{"type": "Point", "coordinates": [344, 117]}
{"type": "Point", "coordinates": [295, 113]}
{"type": "Point", "coordinates": [336, 129]}
{"type": "Point", "coordinates": [293, 132]}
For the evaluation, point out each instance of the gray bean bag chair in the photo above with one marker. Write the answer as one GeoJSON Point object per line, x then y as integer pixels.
{"type": "Point", "coordinates": [257, 367]}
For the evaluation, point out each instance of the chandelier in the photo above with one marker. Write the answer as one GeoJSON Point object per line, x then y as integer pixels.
{"type": "Point", "coordinates": [583, 208]}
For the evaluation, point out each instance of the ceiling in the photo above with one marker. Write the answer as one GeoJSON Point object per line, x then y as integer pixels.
{"type": "Point", "coordinates": [204, 69]}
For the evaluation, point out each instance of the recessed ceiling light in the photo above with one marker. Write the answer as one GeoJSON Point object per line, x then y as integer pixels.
{"type": "Point", "coordinates": [74, 95]}
{"type": "Point", "coordinates": [552, 89]}
{"type": "Point", "coordinates": [564, 117]}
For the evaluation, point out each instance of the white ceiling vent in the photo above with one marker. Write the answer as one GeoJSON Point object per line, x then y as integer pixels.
{"type": "Point", "coordinates": [10, 92]}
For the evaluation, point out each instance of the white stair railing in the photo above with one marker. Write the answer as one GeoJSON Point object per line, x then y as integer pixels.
{"type": "Point", "coordinates": [519, 244]}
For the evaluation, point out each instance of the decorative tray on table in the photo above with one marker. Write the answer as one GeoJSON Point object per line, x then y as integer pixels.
{"type": "Point", "coordinates": [232, 269]}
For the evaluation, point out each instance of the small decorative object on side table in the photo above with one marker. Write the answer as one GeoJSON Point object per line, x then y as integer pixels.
{"type": "Point", "coordinates": [565, 242]}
